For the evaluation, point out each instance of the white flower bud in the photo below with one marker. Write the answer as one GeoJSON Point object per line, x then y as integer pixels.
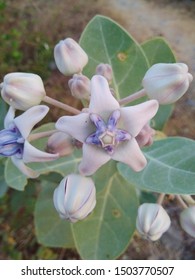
{"type": "Point", "coordinates": [80, 86]}
{"type": "Point", "coordinates": [167, 82]}
{"type": "Point", "coordinates": [60, 143]}
{"type": "Point", "coordinates": [152, 221]}
{"type": "Point", "coordinates": [75, 197]}
{"type": "Point", "coordinates": [70, 58]}
{"type": "Point", "coordinates": [187, 220]}
{"type": "Point", "coordinates": [104, 70]}
{"type": "Point", "coordinates": [22, 90]}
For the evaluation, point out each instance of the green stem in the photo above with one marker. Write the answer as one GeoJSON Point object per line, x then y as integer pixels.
{"type": "Point", "coordinates": [61, 105]}
{"type": "Point", "coordinates": [132, 97]}
{"type": "Point", "coordinates": [35, 136]}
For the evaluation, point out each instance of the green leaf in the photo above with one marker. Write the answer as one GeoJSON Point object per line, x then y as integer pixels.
{"type": "Point", "coordinates": [50, 230]}
{"type": "Point", "coordinates": [3, 111]}
{"type": "Point", "coordinates": [107, 42]}
{"type": "Point", "coordinates": [170, 168]}
{"type": "Point", "coordinates": [106, 233]}
{"type": "Point", "coordinates": [3, 185]}
{"type": "Point", "coordinates": [157, 50]}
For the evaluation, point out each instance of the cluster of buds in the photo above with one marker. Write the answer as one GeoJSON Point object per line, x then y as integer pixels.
{"type": "Point", "coordinates": [105, 130]}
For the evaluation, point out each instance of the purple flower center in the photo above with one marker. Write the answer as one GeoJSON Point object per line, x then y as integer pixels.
{"type": "Point", "coordinates": [107, 136]}
{"type": "Point", "coordinates": [11, 142]}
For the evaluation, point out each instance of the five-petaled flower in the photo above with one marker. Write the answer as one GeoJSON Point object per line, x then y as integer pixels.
{"type": "Point", "coordinates": [108, 130]}
{"type": "Point", "coordinates": [14, 139]}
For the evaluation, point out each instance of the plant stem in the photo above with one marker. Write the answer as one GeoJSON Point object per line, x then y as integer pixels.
{"type": "Point", "coordinates": [39, 135]}
{"type": "Point", "coordinates": [61, 105]}
{"type": "Point", "coordinates": [180, 200]}
{"type": "Point", "coordinates": [132, 97]}
{"type": "Point", "coordinates": [161, 198]}
{"type": "Point", "coordinates": [188, 199]}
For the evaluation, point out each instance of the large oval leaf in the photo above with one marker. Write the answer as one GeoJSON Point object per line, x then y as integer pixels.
{"type": "Point", "coordinates": [108, 230]}
{"type": "Point", "coordinates": [50, 229]}
{"type": "Point", "coordinates": [170, 168]}
{"type": "Point", "coordinates": [107, 42]}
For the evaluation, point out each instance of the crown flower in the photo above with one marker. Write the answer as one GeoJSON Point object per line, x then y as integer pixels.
{"type": "Point", "coordinates": [14, 139]}
{"type": "Point", "coordinates": [107, 130]}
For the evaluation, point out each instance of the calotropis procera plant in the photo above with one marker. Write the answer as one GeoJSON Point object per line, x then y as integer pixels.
{"type": "Point", "coordinates": [104, 157]}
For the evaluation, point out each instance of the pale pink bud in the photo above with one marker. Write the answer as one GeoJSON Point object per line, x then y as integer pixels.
{"type": "Point", "coordinates": [187, 220]}
{"type": "Point", "coordinates": [80, 86]}
{"type": "Point", "coordinates": [22, 90]}
{"type": "Point", "coordinates": [105, 70]}
{"type": "Point", "coordinates": [145, 137]}
{"type": "Point", "coordinates": [75, 197]}
{"type": "Point", "coordinates": [152, 221]}
{"type": "Point", "coordinates": [70, 58]}
{"type": "Point", "coordinates": [60, 143]}
{"type": "Point", "coordinates": [167, 82]}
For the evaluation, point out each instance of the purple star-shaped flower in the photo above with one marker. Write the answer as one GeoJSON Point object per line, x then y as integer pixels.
{"type": "Point", "coordinates": [108, 130]}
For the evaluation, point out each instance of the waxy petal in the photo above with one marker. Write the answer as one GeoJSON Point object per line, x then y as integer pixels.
{"type": "Point", "coordinates": [93, 159]}
{"type": "Point", "coordinates": [130, 154]}
{"type": "Point", "coordinates": [135, 117]}
{"type": "Point", "coordinates": [79, 126]}
{"type": "Point", "coordinates": [8, 121]}
{"type": "Point", "coordinates": [32, 154]}
{"type": "Point", "coordinates": [23, 168]}
{"type": "Point", "coordinates": [102, 101]}
{"type": "Point", "coordinates": [29, 118]}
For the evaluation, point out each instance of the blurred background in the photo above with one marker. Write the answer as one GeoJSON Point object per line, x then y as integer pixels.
{"type": "Point", "coordinates": [29, 30]}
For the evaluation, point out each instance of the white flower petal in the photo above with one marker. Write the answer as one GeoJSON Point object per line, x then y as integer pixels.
{"type": "Point", "coordinates": [23, 168]}
{"type": "Point", "coordinates": [79, 126]}
{"type": "Point", "coordinates": [9, 117]}
{"type": "Point", "coordinates": [102, 101]}
{"type": "Point", "coordinates": [29, 118]}
{"type": "Point", "coordinates": [129, 153]}
{"type": "Point", "coordinates": [135, 117]}
{"type": "Point", "coordinates": [93, 158]}
{"type": "Point", "coordinates": [32, 154]}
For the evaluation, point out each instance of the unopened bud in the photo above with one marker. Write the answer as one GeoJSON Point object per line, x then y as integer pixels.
{"type": "Point", "coordinates": [105, 70]}
{"type": "Point", "coordinates": [75, 197]}
{"type": "Point", "coordinates": [80, 86]}
{"type": "Point", "coordinates": [152, 221]}
{"type": "Point", "coordinates": [187, 220]}
{"type": "Point", "coordinates": [22, 90]}
{"type": "Point", "coordinates": [145, 137]}
{"type": "Point", "coordinates": [60, 143]}
{"type": "Point", "coordinates": [167, 82]}
{"type": "Point", "coordinates": [70, 58]}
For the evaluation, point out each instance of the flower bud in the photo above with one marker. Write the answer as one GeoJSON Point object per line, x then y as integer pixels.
{"type": "Point", "coordinates": [60, 143]}
{"type": "Point", "coordinates": [167, 82]}
{"type": "Point", "coordinates": [187, 220]}
{"type": "Point", "coordinates": [75, 197]}
{"type": "Point", "coordinates": [22, 90]}
{"type": "Point", "coordinates": [152, 221]}
{"type": "Point", "coordinates": [70, 58]}
{"type": "Point", "coordinates": [104, 70]}
{"type": "Point", "coordinates": [145, 137]}
{"type": "Point", "coordinates": [80, 86]}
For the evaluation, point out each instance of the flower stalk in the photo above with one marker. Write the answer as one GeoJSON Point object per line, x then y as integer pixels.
{"type": "Point", "coordinates": [132, 97]}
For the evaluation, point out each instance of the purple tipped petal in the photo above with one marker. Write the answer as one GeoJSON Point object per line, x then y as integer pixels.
{"type": "Point", "coordinates": [28, 119]}
{"type": "Point", "coordinates": [93, 139]}
{"type": "Point", "coordinates": [122, 135]}
{"type": "Point", "coordinates": [32, 154]}
{"type": "Point", "coordinates": [113, 119]}
{"type": "Point", "coordinates": [130, 154]}
{"type": "Point", "coordinates": [23, 168]}
{"type": "Point", "coordinates": [102, 101]}
{"type": "Point", "coordinates": [93, 159]}
{"type": "Point", "coordinates": [99, 123]}
{"type": "Point", "coordinates": [135, 117]}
